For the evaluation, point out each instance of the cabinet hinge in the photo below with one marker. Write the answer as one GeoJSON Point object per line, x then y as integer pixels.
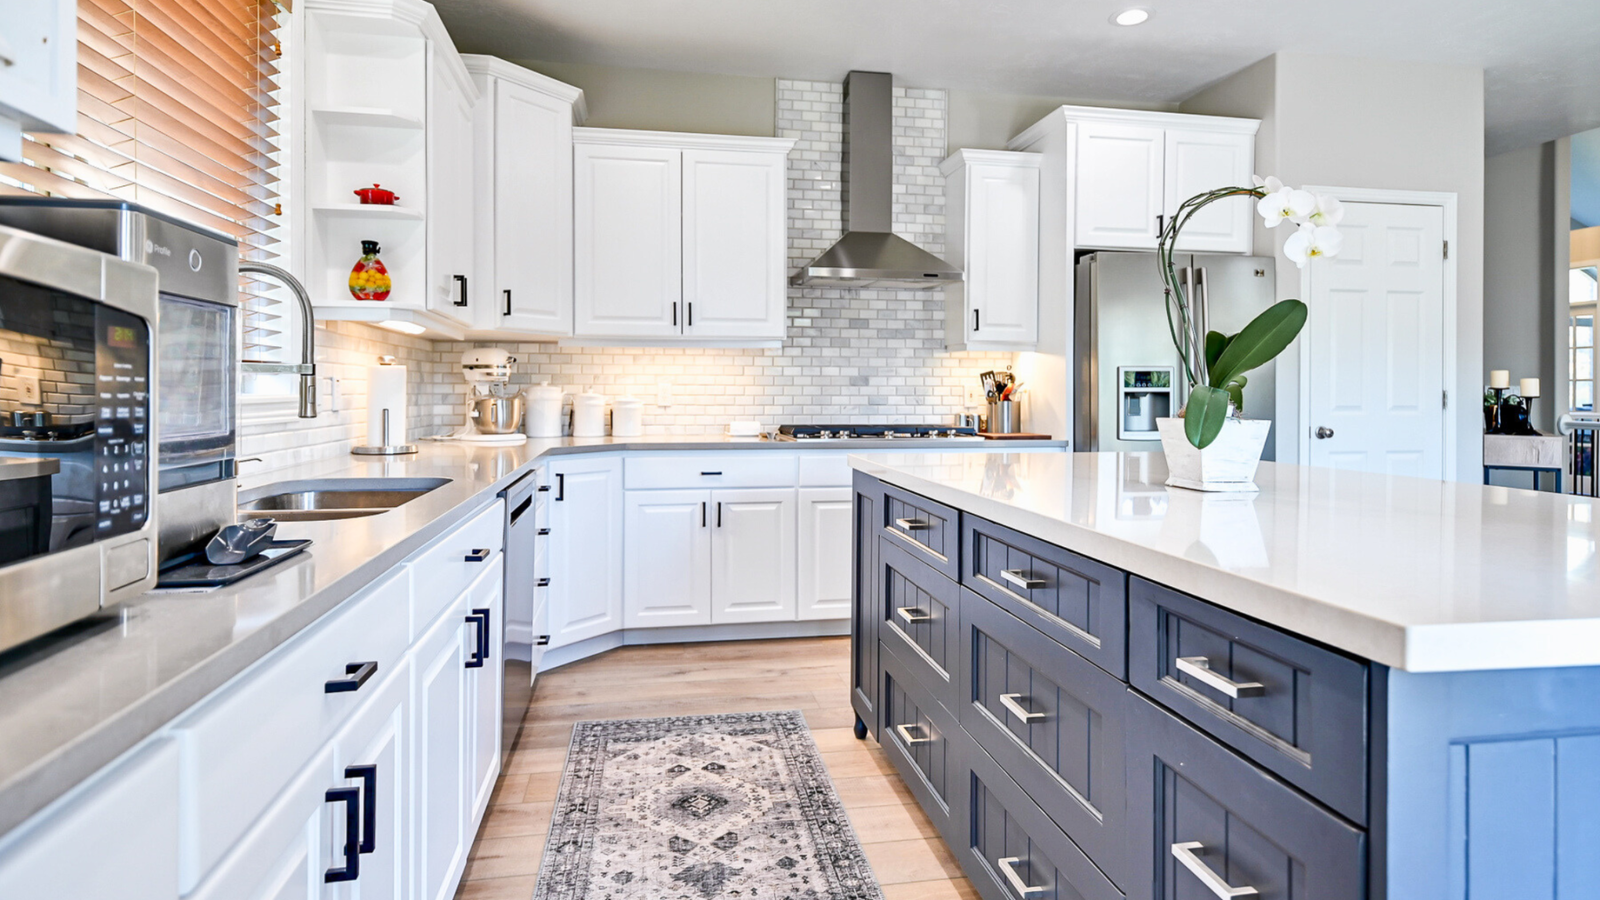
{"type": "Point", "coordinates": [1446, 249]}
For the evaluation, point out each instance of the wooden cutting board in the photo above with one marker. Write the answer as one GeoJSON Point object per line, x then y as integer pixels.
{"type": "Point", "coordinates": [1013, 437]}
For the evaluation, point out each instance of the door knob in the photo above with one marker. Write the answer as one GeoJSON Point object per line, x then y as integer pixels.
{"type": "Point", "coordinates": [1324, 432]}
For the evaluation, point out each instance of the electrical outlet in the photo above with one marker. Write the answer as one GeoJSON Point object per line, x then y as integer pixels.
{"type": "Point", "coordinates": [974, 395]}
{"type": "Point", "coordinates": [28, 387]}
{"type": "Point", "coordinates": [335, 394]}
{"type": "Point", "coordinates": [663, 392]}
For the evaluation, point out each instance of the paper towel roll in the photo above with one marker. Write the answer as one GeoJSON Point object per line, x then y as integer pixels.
{"type": "Point", "coordinates": [386, 389]}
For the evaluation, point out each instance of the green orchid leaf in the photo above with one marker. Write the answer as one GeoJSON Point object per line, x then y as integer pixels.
{"type": "Point", "coordinates": [1203, 418]}
{"type": "Point", "coordinates": [1235, 389]}
{"type": "Point", "coordinates": [1265, 337]}
{"type": "Point", "coordinates": [1216, 342]}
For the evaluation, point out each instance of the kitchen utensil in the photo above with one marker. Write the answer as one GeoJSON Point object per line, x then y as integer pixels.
{"type": "Point", "coordinates": [588, 415]}
{"type": "Point", "coordinates": [627, 417]}
{"type": "Point", "coordinates": [1004, 417]}
{"type": "Point", "coordinates": [496, 414]}
{"type": "Point", "coordinates": [237, 543]}
{"type": "Point", "coordinates": [543, 418]}
{"type": "Point", "coordinates": [377, 195]}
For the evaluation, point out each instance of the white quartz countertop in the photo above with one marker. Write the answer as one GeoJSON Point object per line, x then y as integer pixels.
{"type": "Point", "coordinates": [1420, 575]}
{"type": "Point", "coordinates": [74, 701]}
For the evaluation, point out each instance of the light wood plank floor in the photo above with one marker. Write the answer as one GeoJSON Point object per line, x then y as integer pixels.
{"type": "Point", "coordinates": [810, 674]}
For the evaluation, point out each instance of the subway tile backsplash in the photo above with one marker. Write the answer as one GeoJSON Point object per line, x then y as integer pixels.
{"type": "Point", "coordinates": [850, 356]}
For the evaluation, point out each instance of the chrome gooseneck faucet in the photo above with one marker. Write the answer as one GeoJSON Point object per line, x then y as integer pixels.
{"type": "Point", "coordinates": [307, 369]}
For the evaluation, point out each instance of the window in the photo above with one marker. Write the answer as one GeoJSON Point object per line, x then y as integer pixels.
{"type": "Point", "coordinates": [1580, 341]}
{"type": "Point", "coordinates": [177, 111]}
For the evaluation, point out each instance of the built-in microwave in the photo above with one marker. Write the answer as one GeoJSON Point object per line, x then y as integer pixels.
{"type": "Point", "coordinates": [78, 358]}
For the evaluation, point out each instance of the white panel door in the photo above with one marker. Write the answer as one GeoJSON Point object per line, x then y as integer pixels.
{"type": "Point", "coordinates": [666, 578]}
{"type": "Point", "coordinates": [1376, 344]}
{"type": "Point", "coordinates": [439, 701]}
{"type": "Point", "coordinates": [449, 205]}
{"type": "Point", "coordinates": [1200, 161]}
{"type": "Point", "coordinates": [532, 211]}
{"type": "Point", "coordinates": [627, 241]}
{"type": "Point", "coordinates": [826, 519]}
{"type": "Point", "coordinates": [379, 737]}
{"type": "Point", "coordinates": [585, 549]}
{"type": "Point", "coordinates": [753, 555]}
{"type": "Point", "coordinates": [1119, 183]}
{"type": "Point", "coordinates": [1003, 253]}
{"type": "Point", "coordinates": [735, 244]}
{"type": "Point", "coordinates": [483, 694]}
{"type": "Point", "coordinates": [287, 852]}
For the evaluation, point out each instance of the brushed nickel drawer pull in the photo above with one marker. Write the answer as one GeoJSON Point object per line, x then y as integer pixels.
{"type": "Point", "coordinates": [1199, 668]}
{"type": "Point", "coordinates": [1008, 868]}
{"type": "Point", "coordinates": [1021, 579]}
{"type": "Point", "coordinates": [912, 615]}
{"type": "Point", "coordinates": [912, 524]}
{"type": "Point", "coordinates": [905, 735]}
{"type": "Point", "coordinates": [1187, 853]}
{"type": "Point", "coordinates": [1009, 701]}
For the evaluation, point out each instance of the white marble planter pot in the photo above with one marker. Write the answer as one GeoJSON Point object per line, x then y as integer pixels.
{"type": "Point", "coordinates": [1229, 464]}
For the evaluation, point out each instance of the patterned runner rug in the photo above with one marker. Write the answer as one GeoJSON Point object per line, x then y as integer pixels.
{"type": "Point", "coordinates": [700, 808]}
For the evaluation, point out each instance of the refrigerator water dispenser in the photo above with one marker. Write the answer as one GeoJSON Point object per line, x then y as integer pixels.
{"type": "Point", "coordinates": [1144, 394]}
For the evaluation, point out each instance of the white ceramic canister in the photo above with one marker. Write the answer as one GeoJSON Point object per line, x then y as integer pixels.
{"type": "Point", "coordinates": [627, 417]}
{"type": "Point", "coordinates": [543, 419]}
{"type": "Point", "coordinates": [588, 415]}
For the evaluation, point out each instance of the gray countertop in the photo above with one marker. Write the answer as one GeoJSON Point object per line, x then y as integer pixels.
{"type": "Point", "coordinates": [74, 702]}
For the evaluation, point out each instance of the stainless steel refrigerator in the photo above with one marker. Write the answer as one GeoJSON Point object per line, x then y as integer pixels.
{"type": "Point", "coordinates": [1127, 370]}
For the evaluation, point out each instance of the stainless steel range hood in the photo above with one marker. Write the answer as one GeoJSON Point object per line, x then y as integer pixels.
{"type": "Point", "coordinates": [870, 255]}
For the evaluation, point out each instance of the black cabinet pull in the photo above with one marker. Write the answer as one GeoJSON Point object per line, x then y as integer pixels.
{"type": "Point", "coordinates": [543, 582]}
{"type": "Point", "coordinates": [974, 320]}
{"type": "Point", "coordinates": [1161, 222]}
{"type": "Point", "coordinates": [543, 488]}
{"type": "Point", "coordinates": [478, 555]}
{"type": "Point", "coordinates": [521, 508]}
{"type": "Point", "coordinates": [508, 301]}
{"type": "Point", "coordinates": [358, 672]}
{"type": "Point", "coordinates": [691, 314]}
{"type": "Point", "coordinates": [544, 640]}
{"type": "Point", "coordinates": [542, 532]}
{"type": "Point", "coordinates": [674, 312]}
{"type": "Point", "coordinates": [461, 280]}
{"type": "Point", "coordinates": [480, 618]}
{"type": "Point", "coordinates": [702, 513]}
{"type": "Point", "coordinates": [369, 804]}
{"type": "Point", "coordinates": [351, 869]}
{"type": "Point", "coordinates": [561, 486]}
{"type": "Point", "coordinates": [710, 473]}
{"type": "Point", "coordinates": [719, 513]}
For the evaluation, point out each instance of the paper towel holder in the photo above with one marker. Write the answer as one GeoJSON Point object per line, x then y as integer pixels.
{"type": "Point", "coordinates": [386, 448]}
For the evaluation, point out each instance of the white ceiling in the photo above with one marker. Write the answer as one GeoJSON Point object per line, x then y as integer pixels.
{"type": "Point", "coordinates": [1541, 57]}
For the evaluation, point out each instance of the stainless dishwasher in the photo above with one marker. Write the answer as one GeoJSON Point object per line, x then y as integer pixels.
{"type": "Point", "coordinates": [518, 638]}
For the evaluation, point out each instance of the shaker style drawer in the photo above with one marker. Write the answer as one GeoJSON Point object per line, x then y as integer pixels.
{"type": "Point", "coordinates": [929, 529]}
{"type": "Point", "coordinates": [1295, 708]}
{"type": "Point", "coordinates": [921, 739]}
{"type": "Point", "coordinates": [1216, 826]}
{"type": "Point", "coordinates": [444, 570]}
{"type": "Point", "coordinates": [1077, 602]}
{"type": "Point", "coordinates": [767, 468]}
{"type": "Point", "coordinates": [1053, 721]}
{"type": "Point", "coordinates": [1012, 851]}
{"type": "Point", "coordinates": [917, 618]}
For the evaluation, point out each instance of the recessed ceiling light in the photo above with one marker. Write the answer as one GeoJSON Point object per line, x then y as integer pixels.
{"type": "Point", "coordinates": [1131, 17]}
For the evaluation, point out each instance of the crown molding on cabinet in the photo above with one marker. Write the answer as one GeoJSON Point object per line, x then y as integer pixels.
{"type": "Point", "coordinates": [680, 140]}
{"type": "Point", "coordinates": [416, 13]}
{"type": "Point", "coordinates": [969, 157]}
{"type": "Point", "coordinates": [1063, 114]}
{"type": "Point", "coordinates": [495, 67]}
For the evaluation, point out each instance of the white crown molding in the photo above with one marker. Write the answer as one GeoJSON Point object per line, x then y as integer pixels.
{"type": "Point", "coordinates": [1059, 117]}
{"type": "Point", "coordinates": [495, 67]}
{"type": "Point", "coordinates": [971, 157]}
{"type": "Point", "coordinates": [415, 13]}
{"type": "Point", "coordinates": [679, 139]}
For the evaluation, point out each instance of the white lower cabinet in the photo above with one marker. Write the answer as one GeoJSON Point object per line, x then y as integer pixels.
{"type": "Point", "coordinates": [753, 555]}
{"type": "Point", "coordinates": [585, 548]}
{"type": "Point", "coordinates": [439, 695]}
{"type": "Point", "coordinates": [483, 692]}
{"type": "Point", "coordinates": [666, 553]}
{"type": "Point", "coordinates": [823, 582]}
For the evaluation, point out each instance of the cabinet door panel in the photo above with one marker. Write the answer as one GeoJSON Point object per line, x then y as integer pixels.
{"type": "Point", "coordinates": [735, 244]}
{"type": "Point", "coordinates": [379, 736]}
{"type": "Point", "coordinates": [864, 600]}
{"type": "Point", "coordinates": [667, 559]}
{"type": "Point", "coordinates": [1003, 253]}
{"type": "Point", "coordinates": [441, 746]}
{"type": "Point", "coordinates": [1198, 161]}
{"type": "Point", "coordinates": [483, 697]}
{"type": "Point", "coordinates": [585, 549]}
{"type": "Point", "coordinates": [532, 211]}
{"type": "Point", "coordinates": [627, 223]}
{"type": "Point", "coordinates": [1119, 185]}
{"type": "Point", "coordinates": [449, 206]}
{"type": "Point", "coordinates": [753, 555]}
{"type": "Point", "coordinates": [824, 566]}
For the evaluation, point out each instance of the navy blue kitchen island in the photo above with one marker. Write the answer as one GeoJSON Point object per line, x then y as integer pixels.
{"type": "Point", "coordinates": [1345, 686]}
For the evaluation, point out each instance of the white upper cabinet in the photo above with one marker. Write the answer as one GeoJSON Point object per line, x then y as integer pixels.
{"type": "Point", "coordinates": [1200, 161]}
{"type": "Point", "coordinates": [664, 220]}
{"type": "Point", "coordinates": [450, 164]}
{"type": "Point", "coordinates": [1120, 198]}
{"type": "Point", "coordinates": [38, 70]}
{"type": "Point", "coordinates": [992, 233]}
{"type": "Point", "coordinates": [523, 176]}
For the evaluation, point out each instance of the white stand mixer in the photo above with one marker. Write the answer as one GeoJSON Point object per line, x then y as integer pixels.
{"type": "Point", "coordinates": [494, 413]}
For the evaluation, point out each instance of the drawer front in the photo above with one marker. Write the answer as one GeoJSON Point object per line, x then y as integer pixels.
{"type": "Point", "coordinates": [864, 601]}
{"type": "Point", "coordinates": [825, 469]}
{"type": "Point", "coordinates": [444, 570]}
{"type": "Point", "coordinates": [923, 741]}
{"type": "Point", "coordinates": [1053, 721]}
{"type": "Point", "coordinates": [929, 529]}
{"type": "Point", "coordinates": [766, 468]}
{"type": "Point", "coordinates": [1217, 822]}
{"type": "Point", "coordinates": [918, 618]}
{"type": "Point", "coordinates": [1013, 850]}
{"type": "Point", "coordinates": [1300, 710]}
{"type": "Point", "coordinates": [240, 746]}
{"type": "Point", "coordinates": [1079, 603]}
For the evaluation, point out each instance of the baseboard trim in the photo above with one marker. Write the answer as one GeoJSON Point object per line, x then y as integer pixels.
{"type": "Point", "coordinates": [571, 653]}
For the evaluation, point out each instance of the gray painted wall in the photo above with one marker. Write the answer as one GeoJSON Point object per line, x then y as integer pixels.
{"type": "Point", "coordinates": [1367, 123]}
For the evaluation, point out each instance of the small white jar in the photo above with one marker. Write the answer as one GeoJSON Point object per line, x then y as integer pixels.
{"type": "Point", "coordinates": [627, 417]}
{"type": "Point", "coordinates": [544, 411]}
{"type": "Point", "coordinates": [588, 415]}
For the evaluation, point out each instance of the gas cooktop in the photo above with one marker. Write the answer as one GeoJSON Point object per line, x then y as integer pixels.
{"type": "Point", "coordinates": [875, 432]}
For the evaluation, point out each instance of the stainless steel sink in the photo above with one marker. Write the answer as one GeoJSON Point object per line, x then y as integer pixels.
{"type": "Point", "coordinates": [332, 498]}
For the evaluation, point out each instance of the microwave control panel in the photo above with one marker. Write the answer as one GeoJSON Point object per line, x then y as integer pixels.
{"type": "Point", "coordinates": [122, 424]}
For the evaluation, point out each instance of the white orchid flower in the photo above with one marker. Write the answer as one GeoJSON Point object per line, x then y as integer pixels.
{"type": "Point", "coordinates": [1311, 242]}
{"type": "Point", "coordinates": [1287, 203]}
{"type": "Point", "coordinates": [1271, 183]}
{"type": "Point", "coordinates": [1328, 212]}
